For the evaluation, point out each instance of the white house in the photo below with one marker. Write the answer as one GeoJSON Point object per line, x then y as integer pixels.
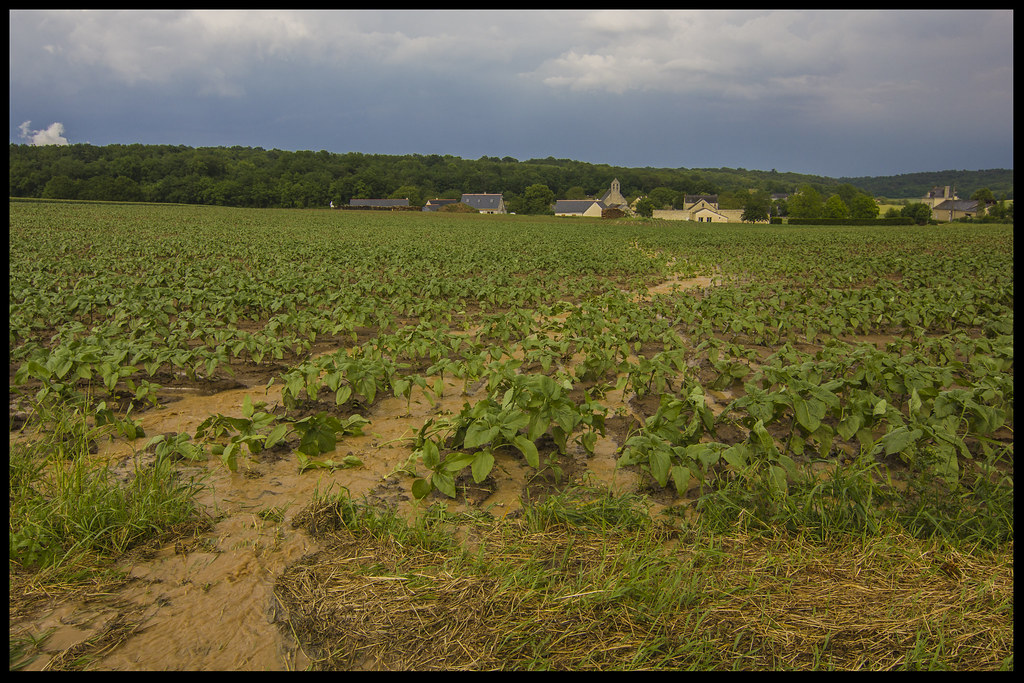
{"type": "Point", "coordinates": [579, 207]}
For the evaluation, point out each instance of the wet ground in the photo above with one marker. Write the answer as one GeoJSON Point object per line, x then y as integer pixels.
{"type": "Point", "coordinates": [207, 603]}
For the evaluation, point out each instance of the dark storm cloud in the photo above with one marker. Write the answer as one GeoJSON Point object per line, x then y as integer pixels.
{"type": "Point", "coordinates": [836, 93]}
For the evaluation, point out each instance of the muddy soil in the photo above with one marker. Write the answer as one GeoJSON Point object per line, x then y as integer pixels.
{"type": "Point", "coordinates": [206, 602]}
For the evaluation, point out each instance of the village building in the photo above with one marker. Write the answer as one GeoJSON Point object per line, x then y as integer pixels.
{"type": "Point", "coordinates": [613, 199]}
{"type": "Point", "coordinates": [705, 214]}
{"type": "Point", "coordinates": [437, 204]}
{"type": "Point", "coordinates": [947, 206]}
{"type": "Point", "coordinates": [579, 207]}
{"type": "Point", "coordinates": [937, 195]}
{"type": "Point", "coordinates": [596, 208]}
{"type": "Point", "coordinates": [485, 203]}
{"type": "Point", "coordinates": [693, 202]}
{"type": "Point", "coordinates": [952, 209]}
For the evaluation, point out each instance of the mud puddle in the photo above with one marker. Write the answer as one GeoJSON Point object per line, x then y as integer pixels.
{"type": "Point", "coordinates": [207, 603]}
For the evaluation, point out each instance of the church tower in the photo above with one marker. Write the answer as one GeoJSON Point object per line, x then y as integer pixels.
{"type": "Point", "coordinates": [613, 197]}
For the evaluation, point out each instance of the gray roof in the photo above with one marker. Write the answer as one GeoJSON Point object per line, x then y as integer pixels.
{"type": "Point", "coordinates": [575, 205]}
{"type": "Point", "coordinates": [957, 205]}
{"type": "Point", "coordinates": [694, 198]}
{"type": "Point", "coordinates": [483, 202]}
{"type": "Point", "coordinates": [435, 204]}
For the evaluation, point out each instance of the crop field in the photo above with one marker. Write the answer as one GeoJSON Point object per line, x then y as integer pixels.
{"type": "Point", "coordinates": [268, 439]}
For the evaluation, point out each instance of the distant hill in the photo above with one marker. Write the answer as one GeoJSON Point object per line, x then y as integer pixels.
{"type": "Point", "coordinates": [999, 180]}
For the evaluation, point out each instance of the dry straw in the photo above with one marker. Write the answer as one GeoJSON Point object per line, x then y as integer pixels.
{"type": "Point", "coordinates": [562, 599]}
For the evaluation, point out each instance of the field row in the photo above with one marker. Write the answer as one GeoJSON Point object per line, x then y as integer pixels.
{"type": "Point", "coordinates": [803, 343]}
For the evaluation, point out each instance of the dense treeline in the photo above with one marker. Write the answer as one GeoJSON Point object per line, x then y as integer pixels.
{"type": "Point", "coordinates": [966, 183]}
{"type": "Point", "coordinates": [255, 177]}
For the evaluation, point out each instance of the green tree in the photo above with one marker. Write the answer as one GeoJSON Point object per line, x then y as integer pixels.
{"type": "Point", "coordinates": [920, 212]}
{"type": "Point", "coordinates": [537, 199]}
{"type": "Point", "coordinates": [835, 207]}
{"type": "Point", "coordinates": [575, 192]}
{"type": "Point", "coordinates": [60, 187]}
{"type": "Point", "coordinates": [863, 206]}
{"type": "Point", "coordinates": [1000, 211]}
{"type": "Point", "coordinates": [806, 203]}
{"type": "Point", "coordinates": [983, 194]}
{"type": "Point", "coordinates": [757, 207]}
{"type": "Point", "coordinates": [409, 192]}
{"type": "Point", "coordinates": [662, 197]}
{"type": "Point", "coordinates": [645, 207]}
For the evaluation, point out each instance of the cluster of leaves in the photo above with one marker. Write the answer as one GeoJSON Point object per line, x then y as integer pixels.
{"type": "Point", "coordinates": [257, 430]}
{"type": "Point", "coordinates": [517, 414]}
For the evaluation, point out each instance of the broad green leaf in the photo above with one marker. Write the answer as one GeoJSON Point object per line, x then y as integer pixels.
{"type": "Point", "coordinates": [528, 449]}
{"type": "Point", "coordinates": [660, 463]}
{"type": "Point", "coordinates": [421, 488]}
{"type": "Point", "coordinates": [276, 436]}
{"type": "Point", "coordinates": [778, 478]}
{"type": "Point", "coordinates": [809, 413]}
{"type": "Point", "coordinates": [589, 441]}
{"type": "Point", "coordinates": [915, 402]}
{"type": "Point", "coordinates": [401, 387]}
{"type": "Point", "coordinates": [850, 425]}
{"type": "Point", "coordinates": [900, 439]}
{"type": "Point", "coordinates": [478, 434]}
{"type": "Point", "coordinates": [444, 482]}
{"type": "Point", "coordinates": [737, 455]}
{"type": "Point", "coordinates": [457, 461]}
{"type": "Point", "coordinates": [681, 478]}
{"type": "Point", "coordinates": [482, 465]}
{"type": "Point", "coordinates": [430, 454]}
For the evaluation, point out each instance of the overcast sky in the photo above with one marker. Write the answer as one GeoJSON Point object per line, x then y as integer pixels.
{"type": "Point", "coordinates": [835, 93]}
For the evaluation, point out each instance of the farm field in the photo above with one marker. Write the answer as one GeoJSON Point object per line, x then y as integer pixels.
{"type": "Point", "coordinates": [274, 439]}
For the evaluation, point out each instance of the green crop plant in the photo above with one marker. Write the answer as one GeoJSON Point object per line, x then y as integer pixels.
{"type": "Point", "coordinates": [671, 445]}
{"type": "Point", "coordinates": [248, 431]}
{"type": "Point", "coordinates": [529, 407]}
{"type": "Point", "coordinates": [319, 433]}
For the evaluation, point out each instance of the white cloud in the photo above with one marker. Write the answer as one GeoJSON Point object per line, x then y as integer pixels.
{"type": "Point", "coordinates": [210, 48]}
{"type": "Point", "coordinates": [53, 135]}
{"type": "Point", "coordinates": [833, 58]}
{"type": "Point", "coordinates": [225, 52]}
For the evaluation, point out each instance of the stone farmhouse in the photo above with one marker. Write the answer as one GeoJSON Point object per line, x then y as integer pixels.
{"type": "Point", "coordinates": [700, 208]}
{"type": "Point", "coordinates": [593, 208]}
{"type": "Point", "coordinates": [590, 208]}
{"type": "Point", "coordinates": [946, 206]}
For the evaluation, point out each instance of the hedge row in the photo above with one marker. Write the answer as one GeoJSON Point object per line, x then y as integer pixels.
{"type": "Point", "coordinates": [901, 220]}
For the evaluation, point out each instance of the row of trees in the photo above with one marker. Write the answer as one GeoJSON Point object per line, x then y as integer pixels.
{"type": "Point", "coordinates": [845, 201]}
{"type": "Point", "coordinates": [254, 177]}
{"type": "Point", "coordinates": [998, 181]}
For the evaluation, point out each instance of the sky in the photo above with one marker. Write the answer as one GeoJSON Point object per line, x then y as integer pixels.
{"type": "Point", "coordinates": [833, 93]}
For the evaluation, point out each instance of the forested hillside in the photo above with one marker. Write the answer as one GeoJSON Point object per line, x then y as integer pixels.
{"type": "Point", "coordinates": [255, 177]}
{"type": "Point", "coordinates": [999, 180]}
